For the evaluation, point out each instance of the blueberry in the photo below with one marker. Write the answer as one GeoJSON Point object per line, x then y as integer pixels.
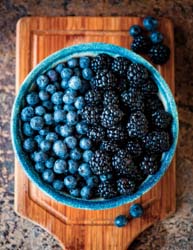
{"type": "Point", "coordinates": [56, 98]}
{"type": "Point", "coordinates": [156, 37]}
{"type": "Point", "coordinates": [87, 155]}
{"type": "Point", "coordinates": [150, 23]}
{"type": "Point", "coordinates": [29, 145]}
{"type": "Point", "coordinates": [82, 128]}
{"type": "Point", "coordinates": [59, 67]}
{"type": "Point", "coordinates": [50, 162]}
{"type": "Point", "coordinates": [32, 98]}
{"type": "Point", "coordinates": [60, 149]}
{"type": "Point", "coordinates": [136, 210]}
{"type": "Point", "coordinates": [73, 166]}
{"type": "Point", "coordinates": [75, 154]}
{"type": "Point", "coordinates": [86, 192]}
{"type": "Point", "coordinates": [71, 142]}
{"type": "Point", "coordinates": [69, 107]}
{"type": "Point", "coordinates": [27, 113]}
{"type": "Point", "coordinates": [105, 177]}
{"type": "Point", "coordinates": [58, 185]}
{"type": "Point", "coordinates": [72, 63]}
{"type": "Point", "coordinates": [77, 72]}
{"type": "Point", "coordinates": [44, 131]}
{"type": "Point", "coordinates": [85, 143]}
{"type": "Point", "coordinates": [51, 88]}
{"type": "Point", "coordinates": [37, 123]}
{"type": "Point", "coordinates": [71, 118]}
{"type": "Point", "coordinates": [42, 81]}
{"type": "Point", "coordinates": [66, 73]}
{"type": "Point", "coordinates": [27, 130]}
{"type": "Point", "coordinates": [121, 221]}
{"type": "Point", "coordinates": [45, 145]}
{"type": "Point", "coordinates": [58, 107]}
{"type": "Point", "coordinates": [44, 95]}
{"type": "Point", "coordinates": [48, 118]}
{"type": "Point", "coordinates": [48, 176]}
{"type": "Point", "coordinates": [59, 116]}
{"type": "Point", "coordinates": [79, 103]}
{"type": "Point", "coordinates": [38, 139]}
{"type": "Point", "coordinates": [66, 130]}
{"type": "Point", "coordinates": [87, 74]}
{"type": "Point", "coordinates": [53, 75]}
{"type": "Point", "coordinates": [51, 136]}
{"type": "Point", "coordinates": [70, 181]}
{"type": "Point", "coordinates": [39, 167]}
{"type": "Point", "coordinates": [40, 156]}
{"type": "Point", "coordinates": [84, 170]}
{"type": "Point", "coordinates": [135, 30]}
{"type": "Point", "coordinates": [84, 62]}
{"type": "Point", "coordinates": [75, 83]}
{"type": "Point", "coordinates": [64, 84]}
{"type": "Point", "coordinates": [69, 97]}
{"type": "Point", "coordinates": [92, 181]}
{"type": "Point", "coordinates": [74, 192]}
{"type": "Point", "coordinates": [48, 105]}
{"type": "Point", "coordinates": [40, 110]}
{"type": "Point", "coordinates": [60, 166]}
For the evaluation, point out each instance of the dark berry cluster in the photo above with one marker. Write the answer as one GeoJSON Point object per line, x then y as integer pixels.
{"type": "Point", "coordinates": [95, 126]}
{"type": "Point", "coordinates": [152, 44]}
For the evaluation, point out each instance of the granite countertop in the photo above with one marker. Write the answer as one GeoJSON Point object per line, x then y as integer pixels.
{"type": "Point", "coordinates": [174, 233]}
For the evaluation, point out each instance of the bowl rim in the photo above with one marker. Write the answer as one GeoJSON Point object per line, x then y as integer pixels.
{"type": "Point", "coordinates": [61, 56]}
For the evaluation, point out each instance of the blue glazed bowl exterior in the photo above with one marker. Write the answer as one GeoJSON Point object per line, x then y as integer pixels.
{"type": "Point", "coordinates": [50, 62]}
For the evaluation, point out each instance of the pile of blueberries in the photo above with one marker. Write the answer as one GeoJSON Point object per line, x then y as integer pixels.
{"type": "Point", "coordinates": [151, 44]}
{"type": "Point", "coordinates": [95, 126]}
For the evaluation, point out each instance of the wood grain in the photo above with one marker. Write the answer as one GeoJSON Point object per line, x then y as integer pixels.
{"type": "Point", "coordinates": [76, 229]}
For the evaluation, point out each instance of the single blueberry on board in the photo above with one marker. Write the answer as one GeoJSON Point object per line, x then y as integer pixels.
{"type": "Point", "coordinates": [121, 221]}
{"type": "Point", "coordinates": [135, 30]}
{"type": "Point", "coordinates": [136, 210]}
{"type": "Point", "coordinates": [156, 37]}
{"type": "Point", "coordinates": [150, 23]}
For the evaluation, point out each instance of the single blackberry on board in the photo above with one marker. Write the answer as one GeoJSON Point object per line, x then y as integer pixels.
{"type": "Point", "coordinates": [159, 53]}
{"type": "Point", "coordinates": [91, 114]}
{"type": "Point", "coordinates": [137, 125]}
{"type": "Point", "coordinates": [104, 79]}
{"type": "Point", "coordinates": [161, 119]}
{"type": "Point", "coordinates": [100, 163]}
{"type": "Point", "coordinates": [93, 97]}
{"type": "Point", "coordinates": [120, 65]}
{"type": "Point", "coordinates": [100, 62]}
{"type": "Point", "coordinates": [109, 146]}
{"type": "Point", "coordinates": [122, 162]}
{"type": "Point", "coordinates": [133, 100]}
{"type": "Point", "coordinates": [125, 186]}
{"type": "Point", "coordinates": [117, 133]}
{"type": "Point", "coordinates": [96, 133]}
{"type": "Point", "coordinates": [111, 116]}
{"type": "Point", "coordinates": [137, 74]}
{"type": "Point", "coordinates": [134, 148]}
{"type": "Point", "coordinates": [149, 165]}
{"type": "Point", "coordinates": [152, 104]}
{"type": "Point", "coordinates": [110, 98]}
{"type": "Point", "coordinates": [156, 142]}
{"type": "Point", "coordinates": [107, 190]}
{"type": "Point", "coordinates": [149, 87]}
{"type": "Point", "coordinates": [140, 44]}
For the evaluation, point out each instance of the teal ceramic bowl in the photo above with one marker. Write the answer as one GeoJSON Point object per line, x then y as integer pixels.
{"type": "Point", "coordinates": [53, 60]}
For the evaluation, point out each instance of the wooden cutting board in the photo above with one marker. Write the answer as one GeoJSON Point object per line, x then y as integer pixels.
{"type": "Point", "coordinates": [38, 37]}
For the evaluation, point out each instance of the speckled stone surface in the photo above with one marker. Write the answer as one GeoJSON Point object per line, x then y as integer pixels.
{"type": "Point", "coordinates": [175, 233]}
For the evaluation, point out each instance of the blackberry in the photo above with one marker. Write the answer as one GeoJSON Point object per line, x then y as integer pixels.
{"type": "Point", "coordinates": [137, 176]}
{"type": "Point", "coordinates": [137, 125]}
{"type": "Point", "coordinates": [133, 100]}
{"type": "Point", "coordinates": [93, 97]}
{"type": "Point", "coordinates": [149, 165]}
{"type": "Point", "coordinates": [122, 163]}
{"type": "Point", "coordinates": [140, 44]}
{"type": "Point", "coordinates": [104, 79]}
{"type": "Point", "coordinates": [96, 133]}
{"type": "Point", "coordinates": [111, 116]}
{"type": "Point", "coordinates": [134, 148]}
{"type": "Point", "coordinates": [157, 142]}
{"type": "Point", "coordinates": [109, 146]}
{"type": "Point", "coordinates": [100, 163]}
{"type": "Point", "coordinates": [110, 98]}
{"type": "Point", "coordinates": [161, 119]}
{"type": "Point", "coordinates": [107, 190]}
{"type": "Point", "coordinates": [137, 74]}
{"type": "Point", "coordinates": [117, 133]}
{"type": "Point", "coordinates": [126, 186]}
{"type": "Point", "coordinates": [122, 84]}
{"type": "Point", "coordinates": [149, 88]}
{"type": "Point", "coordinates": [153, 103]}
{"type": "Point", "coordinates": [120, 65]}
{"type": "Point", "coordinates": [159, 53]}
{"type": "Point", "coordinates": [91, 114]}
{"type": "Point", "coordinates": [100, 62]}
